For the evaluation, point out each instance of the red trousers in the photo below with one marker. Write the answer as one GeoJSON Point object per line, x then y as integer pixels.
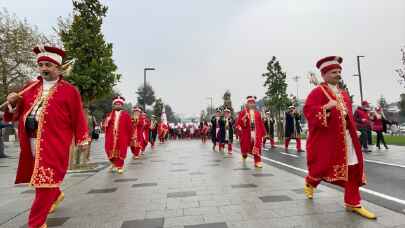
{"type": "Point", "coordinates": [136, 151]}
{"type": "Point", "coordinates": [287, 142]}
{"type": "Point", "coordinates": [272, 143]}
{"type": "Point", "coordinates": [257, 157]}
{"type": "Point", "coordinates": [222, 146]}
{"type": "Point", "coordinates": [352, 192]}
{"type": "Point", "coordinates": [44, 198]}
{"type": "Point", "coordinates": [118, 162]}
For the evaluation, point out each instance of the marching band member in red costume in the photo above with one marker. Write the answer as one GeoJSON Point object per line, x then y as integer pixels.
{"type": "Point", "coordinates": [252, 131]}
{"type": "Point", "coordinates": [138, 124]}
{"type": "Point", "coordinates": [333, 148]}
{"type": "Point", "coordinates": [118, 133]}
{"type": "Point", "coordinates": [50, 115]}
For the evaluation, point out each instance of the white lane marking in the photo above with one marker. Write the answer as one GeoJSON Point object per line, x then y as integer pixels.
{"type": "Point", "coordinates": [292, 155]}
{"type": "Point", "coordinates": [382, 195]}
{"type": "Point", "coordinates": [384, 163]}
{"type": "Point", "coordinates": [371, 192]}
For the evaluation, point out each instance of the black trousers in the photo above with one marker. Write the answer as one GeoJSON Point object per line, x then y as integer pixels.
{"type": "Point", "coordinates": [364, 138]}
{"type": "Point", "coordinates": [380, 139]}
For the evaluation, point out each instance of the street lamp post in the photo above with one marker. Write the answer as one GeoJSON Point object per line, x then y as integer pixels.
{"type": "Point", "coordinates": [359, 75]}
{"type": "Point", "coordinates": [296, 79]}
{"type": "Point", "coordinates": [210, 98]}
{"type": "Point", "coordinates": [144, 85]}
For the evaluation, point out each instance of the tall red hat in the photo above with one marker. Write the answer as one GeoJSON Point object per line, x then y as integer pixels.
{"type": "Point", "coordinates": [118, 100]}
{"type": "Point", "coordinates": [137, 108]}
{"type": "Point", "coordinates": [250, 99]}
{"type": "Point", "coordinates": [329, 63]}
{"type": "Point", "coordinates": [50, 54]}
{"type": "Point", "coordinates": [365, 104]}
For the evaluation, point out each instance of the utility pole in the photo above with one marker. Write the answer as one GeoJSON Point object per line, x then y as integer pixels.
{"type": "Point", "coordinates": [359, 75]}
{"type": "Point", "coordinates": [296, 79]}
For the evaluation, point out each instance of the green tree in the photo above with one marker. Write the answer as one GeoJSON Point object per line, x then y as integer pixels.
{"type": "Point", "coordinates": [276, 92]}
{"type": "Point", "coordinates": [150, 95]}
{"type": "Point", "coordinates": [402, 105]}
{"type": "Point", "coordinates": [17, 62]}
{"type": "Point", "coordinates": [157, 108]}
{"type": "Point", "coordinates": [94, 71]}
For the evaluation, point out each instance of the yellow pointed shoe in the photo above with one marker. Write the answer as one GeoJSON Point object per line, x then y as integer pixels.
{"type": "Point", "coordinates": [120, 171]}
{"type": "Point", "coordinates": [362, 212]}
{"type": "Point", "coordinates": [135, 157]}
{"type": "Point", "coordinates": [309, 191]}
{"type": "Point", "coordinates": [259, 165]}
{"type": "Point", "coordinates": [59, 200]}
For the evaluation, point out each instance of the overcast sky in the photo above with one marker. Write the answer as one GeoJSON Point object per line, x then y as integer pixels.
{"type": "Point", "coordinates": [202, 48]}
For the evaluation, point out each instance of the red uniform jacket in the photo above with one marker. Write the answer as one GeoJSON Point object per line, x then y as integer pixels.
{"type": "Point", "coordinates": [117, 140]}
{"type": "Point", "coordinates": [137, 138]}
{"type": "Point", "coordinates": [244, 129]}
{"type": "Point", "coordinates": [146, 129]}
{"type": "Point", "coordinates": [162, 130]}
{"type": "Point", "coordinates": [62, 120]}
{"type": "Point", "coordinates": [327, 153]}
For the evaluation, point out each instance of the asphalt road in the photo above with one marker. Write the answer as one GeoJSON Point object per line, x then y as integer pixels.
{"type": "Point", "coordinates": [385, 179]}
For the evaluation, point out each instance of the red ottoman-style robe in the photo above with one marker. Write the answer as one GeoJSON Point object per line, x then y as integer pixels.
{"type": "Point", "coordinates": [137, 137]}
{"type": "Point", "coordinates": [117, 136]}
{"type": "Point", "coordinates": [146, 129]}
{"type": "Point", "coordinates": [61, 121]}
{"type": "Point", "coordinates": [327, 143]}
{"type": "Point", "coordinates": [162, 131]}
{"type": "Point", "coordinates": [247, 145]}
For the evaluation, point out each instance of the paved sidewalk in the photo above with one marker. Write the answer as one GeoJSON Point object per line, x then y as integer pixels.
{"type": "Point", "coordinates": [186, 184]}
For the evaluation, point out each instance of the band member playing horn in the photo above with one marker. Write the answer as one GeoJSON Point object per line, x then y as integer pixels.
{"type": "Point", "coordinates": [50, 117]}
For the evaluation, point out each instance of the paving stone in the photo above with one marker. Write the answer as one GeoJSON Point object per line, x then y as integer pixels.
{"type": "Point", "coordinates": [53, 222]}
{"type": "Point", "coordinates": [178, 170]}
{"type": "Point", "coordinates": [275, 198]}
{"type": "Point", "coordinates": [144, 185]}
{"type": "Point", "coordinates": [104, 190]}
{"type": "Point", "coordinates": [301, 190]}
{"type": "Point", "coordinates": [29, 191]}
{"type": "Point", "coordinates": [262, 175]}
{"type": "Point", "coordinates": [126, 180]}
{"type": "Point", "coordinates": [157, 160]}
{"type": "Point", "coordinates": [81, 175]}
{"type": "Point", "coordinates": [146, 223]}
{"type": "Point", "coordinates": [178, 163]}
{"type": "Point", "coordinates": [209, 225]}
{"type": "Point", "coordinates": [243, 169]}
{"type": "Point", "coordinates": [211, 165]}
{"type": "Point", "coordinates": [196, 173]}
{"type": "Point", "coordinates": [136, 163]}
{"type": "Point", "coordinates": [181, 194]}
{"type": "Point", "coordinates": [244, 186]}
